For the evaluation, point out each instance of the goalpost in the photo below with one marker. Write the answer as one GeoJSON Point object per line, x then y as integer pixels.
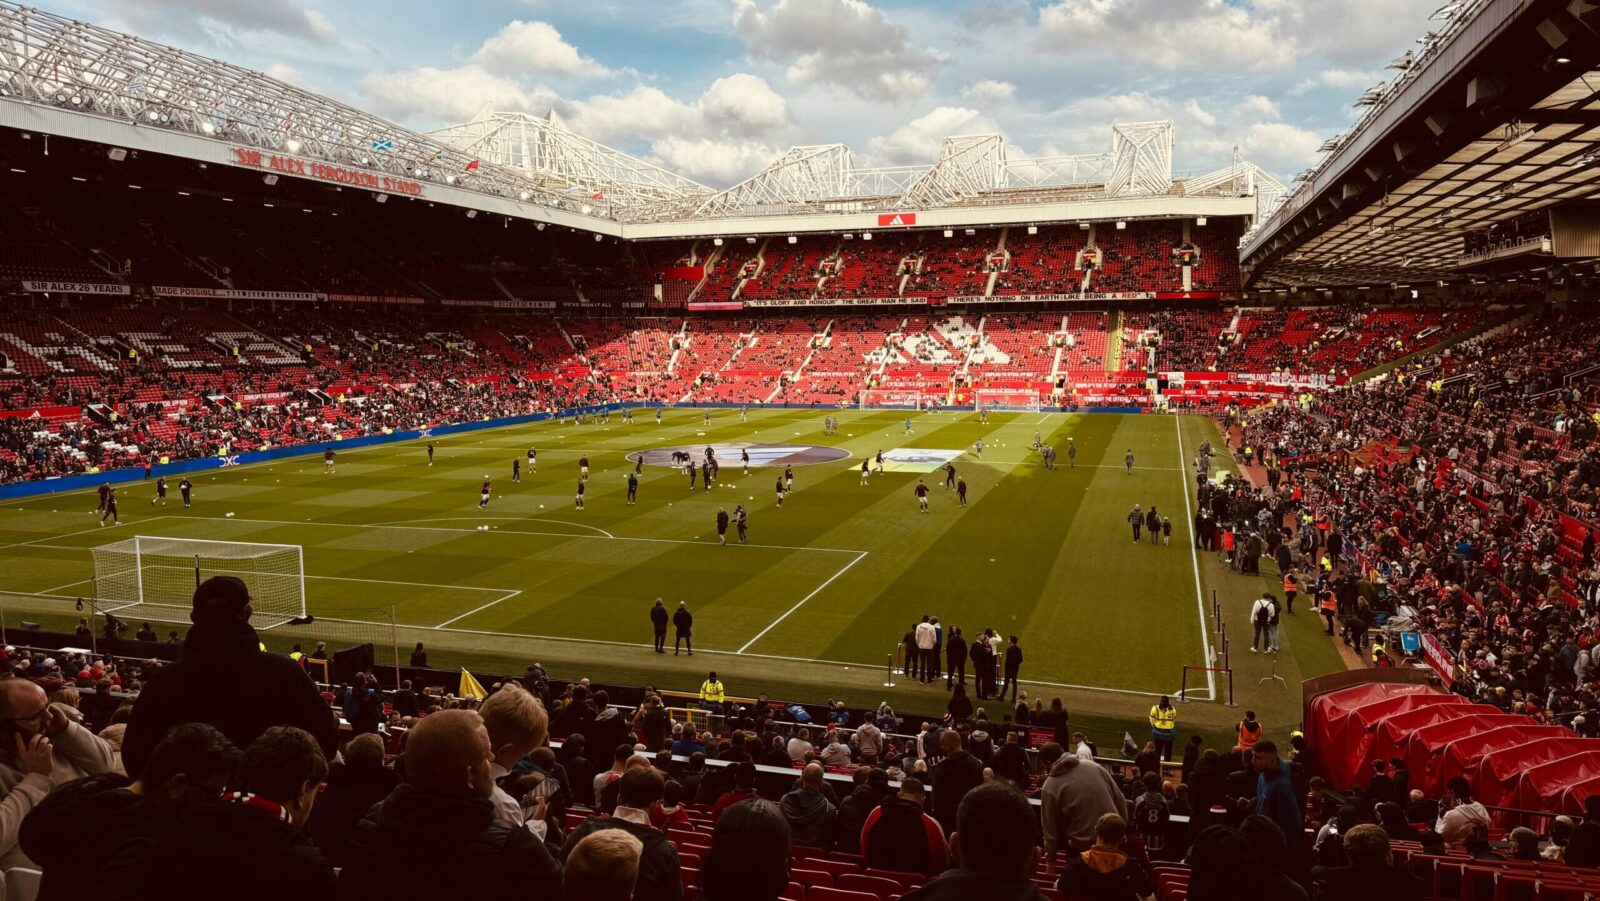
{"type": "Point", "coordinates": [895, 398]}
{"type": "Point", "coordinates": [159, 576]}
{"type": "Point", "coordinates": [1008, 399]}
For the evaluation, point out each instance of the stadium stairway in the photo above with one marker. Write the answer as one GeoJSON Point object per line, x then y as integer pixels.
{"type": "Point", "coordinates": [1114, 343]}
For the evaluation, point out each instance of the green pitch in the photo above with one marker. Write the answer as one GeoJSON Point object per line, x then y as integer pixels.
{"type": "Point", "coordinates": [836, 575]}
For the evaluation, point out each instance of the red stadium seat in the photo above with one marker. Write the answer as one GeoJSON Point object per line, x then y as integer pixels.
{"type": "Point", "coordinates": [876, 885]}
{"type": "Point", "coordinates": [820, 893]}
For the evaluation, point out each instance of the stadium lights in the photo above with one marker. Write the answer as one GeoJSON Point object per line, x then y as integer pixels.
{"type": "Point", "coordinates": [265, 204]}
{"type": "Point", "coordinates": [292, 145]}
{"type": "Point", "coordinates": [306, 210]}
{"type": "Point", "coordinates": [523, 196]}
{"type": "Point", "coordinates": [1122, 224]}
{"type": "Point", "coordinates": [208, 128]}
{"type": "Point", "coordinates": [1200, 220]}
{"type": "Point", "coordinates": [449, 179]}
{"type": "Point", "coordinates": [598, 237]}
{"type": "Point", "coordinates": [715, 242]}
{"type": "Point", "coordinates": [183, 194]}
{"type": "Point", "coordinates": [1562, 60]}
{"type": "Point", "coordinates": [866, 236]}
{"type": "Point", "coordinates": [79, 178]}
{"type": "Point", "coordinates": [587, 209]}
{"type": "Point", "coordinates": [971, 232]}
{"type": "Point", "coordinates": [948, 233]}
{"type": "Point", "coordinates": [749, 240]}
{"type": "Point", "coordinates": [381, 198]}
{"type": "Point", "coordinates": [539, 226]}
{"type": "Point", "coordinates": [1083, 226]}
{"type": "Point", "coordinates": [19, 171]}
{"type": "Point", "coordinates": [269, 179]}
{"type": "Point", "coordinates": [117, 154]}
{"type": "Point", "coordinates": [793, 239]}
{"type": "Point", "coordinates": [472, 214]}
{"type": "Point", "coordinates": [136, 187]}
{"type": "Point", "coordinates": [1033, 229]}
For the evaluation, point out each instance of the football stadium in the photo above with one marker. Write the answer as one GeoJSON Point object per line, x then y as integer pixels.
{"type": "Point", "coordinates": [812, 449]}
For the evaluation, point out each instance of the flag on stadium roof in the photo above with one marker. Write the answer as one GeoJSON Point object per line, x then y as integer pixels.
{"type": "Point", "coordinates": [385, 144]}
{"type": "Point", "coordinates": [472, 165]}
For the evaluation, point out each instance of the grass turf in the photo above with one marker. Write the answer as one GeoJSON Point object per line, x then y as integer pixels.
{"type": "Point", "coordinates": [814, 604]}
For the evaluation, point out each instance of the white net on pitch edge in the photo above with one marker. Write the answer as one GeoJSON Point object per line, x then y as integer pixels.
{"type": "Point", "coordinates": [159, 575]}
{"type": "Point", "coordinates": [1002, 399]}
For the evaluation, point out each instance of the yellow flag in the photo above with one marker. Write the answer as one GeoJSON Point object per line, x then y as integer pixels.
{"type": "Point", "coordinates": [470, 687]}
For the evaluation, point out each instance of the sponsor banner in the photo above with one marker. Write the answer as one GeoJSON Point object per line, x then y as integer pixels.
{"type": "Point", "coordinates": [727, 456]}
{"type": "Point", "coordinates": [1297, 379]}
{"type": "Point", "coordinates": [1049, 298]}
{"type": "Point", "coordinates": [1188, 295]}
{"type": "Point", "coordinates": [39, 287]}
{"type": "Point", "coordinates": [896, 220]}
{"type": "Point", "coordinates": [324, 172]}
{"type": "Point", "coordinates": [1440, 658]}
{"type": "Point", "coordinates": [502, 304]}
{"type": "Point", "coordinates": [236, 294]}
{"type": "Point", "coordinates": [720, 305]}
{"type": "Point", "coordinates": [368, 298]}
{"type": "Point", "coordinates": [46, 413]}
{"type": "Point", "coordinates": [915, 459]}
{"type": "Point", "coordinates": [831, 302]}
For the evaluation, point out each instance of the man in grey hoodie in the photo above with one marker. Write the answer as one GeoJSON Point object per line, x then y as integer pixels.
{"type": "Point", "coordinates": [1073, 798]}
{"type": "Point", "coordinates": [811, 817]}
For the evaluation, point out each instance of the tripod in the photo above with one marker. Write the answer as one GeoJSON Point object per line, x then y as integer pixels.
{"type": "Point", "coordinates": [1274, 674]}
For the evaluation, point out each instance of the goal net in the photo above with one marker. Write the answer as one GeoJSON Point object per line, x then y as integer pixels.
{"type": "Point", "coordinates": [896, 398]}
{"type": "Point", "coordinates": [1008, 399]}
{"type": "Point", "coordinates": [159, 576]}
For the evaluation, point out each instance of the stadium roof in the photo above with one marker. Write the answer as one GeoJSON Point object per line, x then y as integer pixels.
{"type": "Point", "coordinates": [1494, 117]}
{"type": "Point", "coordinates": [59, 76]}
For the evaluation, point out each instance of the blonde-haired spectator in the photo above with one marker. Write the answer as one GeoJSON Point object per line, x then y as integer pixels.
{"type": "Point", "coordinates": [602, 867]}
{"type": "Point", "coordinates": [517, 723]}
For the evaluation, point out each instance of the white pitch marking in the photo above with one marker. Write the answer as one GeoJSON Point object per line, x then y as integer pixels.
{"type": "Point", "coordinates": [477, 609]}
{"type": "Point", "coordinates": [1194, 557]}
{"type": "Point", "coordinates": [814, 593]}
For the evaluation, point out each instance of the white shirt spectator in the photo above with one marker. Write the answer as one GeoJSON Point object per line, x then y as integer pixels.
{"type": "Point", "coordinates": [926, 636]}
{"type": "Point", "coordinates": [1084, 752]}
{"type": "Point", "coordinates": [799, 748]}
{"type": "Point", "coordinates": [1457, 823]}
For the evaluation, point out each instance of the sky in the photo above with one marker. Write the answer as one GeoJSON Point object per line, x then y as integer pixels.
{"type": "Point", "coordinates": [717, 89]}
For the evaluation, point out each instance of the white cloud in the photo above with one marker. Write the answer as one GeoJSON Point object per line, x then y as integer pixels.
{"type": "Point", "coordinates": [990, 92]}
{"type": "Point", "coordinates": [1280, 147]}
{"type": "Point", "coordinates": [745, 103]}
{"type": "Point", "coordinates": [534, 47]}
{"type": "Point", "coordinates": [1170, 34]}
{"type": "Point", "coordinates": [1261, 106]}
{"type": "Point", "coordinates": [717, 162]}
{"type": "Point", "coordinates": [284, 73]}
{"type": "Point", "coordinates": [918, 141]}
{"type": "Point", "coordinates": [1346, 78]}
{"type": "Point", "coordinates": [232, 17]}
{"type": "Point", "coordinates": [434, 97]}
{"type": "Point", "coordinates": [1199, 114]}
{"type": "Point", "coordinates": [846, 44]}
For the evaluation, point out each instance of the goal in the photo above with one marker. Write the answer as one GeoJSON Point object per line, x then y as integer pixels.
{"type": "Point", "coordinates": [159, 576]}
{"type": "Point", "coordinates": [1008, 399]}
{"type": "Point", "coordinates": [896, 398]}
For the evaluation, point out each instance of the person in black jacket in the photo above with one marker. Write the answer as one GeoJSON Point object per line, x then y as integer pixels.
{"type": "Point", "coordinates": [1584, 848]}
{"type": "Point", "coordinates": [353, 787]}
{"type": "Point", "coordinates": [955, 658]}
{"type": "Point", "coordinates": [224, 678]}
{"type": "Point", "coordinates": [871, 787]}
{"type": "Point", "coordinates": [683, 629]}
{"type": "Point", "coordinates": [190, 767]}
{"type": "Point", "coordinates": [994, 858]}
{"type": "Point", "coordinates": [749, 856]}
{"type": "Point", "coordinates": [658, 621]}
{"type": "Point", "coordinates": [958, 773]}
{"type": "Point", "coordinates": [444, 810]}
{"type": "Point", "coordinates": [1371, 873]}
{"type": "Point", "coordinates": [660, 878]}
{"type": "Point", "coordinates": [251, 845]}
{"type": "Point", "coordinates": [1013, 666]}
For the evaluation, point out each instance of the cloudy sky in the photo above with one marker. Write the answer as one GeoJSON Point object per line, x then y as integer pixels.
{"type": "Point", "coordinates": [716, 89]}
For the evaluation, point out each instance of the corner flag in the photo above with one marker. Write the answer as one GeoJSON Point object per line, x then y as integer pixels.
{"type": "Point", "coordinates": [470, 688]}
